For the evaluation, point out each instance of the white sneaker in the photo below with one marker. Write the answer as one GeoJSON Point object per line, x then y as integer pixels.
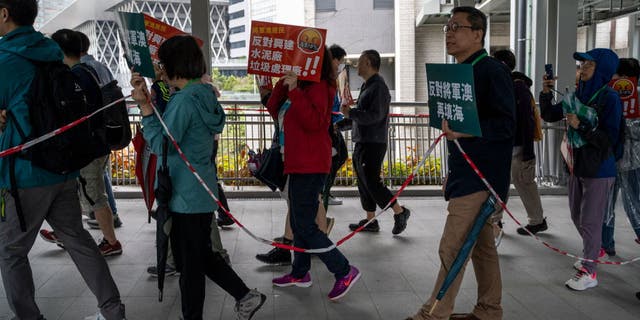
{"type": "Point", "coordinates": [582, 280]}
{"type": "Point", "coordinates": [334, 201]}
{"type": "Point", "coordinates": [97, 316]}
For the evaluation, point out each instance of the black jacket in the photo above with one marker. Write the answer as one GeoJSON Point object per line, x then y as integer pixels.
{"type": "Point", "coordinates": [371, 116]}
{"type": "Point", "coordinates": [525, 122]}
{"type": "Point", "coordinates": [491, 152]}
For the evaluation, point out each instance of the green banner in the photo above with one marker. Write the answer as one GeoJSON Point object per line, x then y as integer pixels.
{"type": "Point", "coordinates": [452, 97]}
{"type": "Point", "coordinates": [134, 37]}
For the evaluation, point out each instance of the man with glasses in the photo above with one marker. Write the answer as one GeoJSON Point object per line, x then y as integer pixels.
{"type": "Point", "coordinates": [466, 193]}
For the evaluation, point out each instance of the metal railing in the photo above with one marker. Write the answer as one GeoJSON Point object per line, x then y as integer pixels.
{"type": "Point", "coordinates": [250, 127]}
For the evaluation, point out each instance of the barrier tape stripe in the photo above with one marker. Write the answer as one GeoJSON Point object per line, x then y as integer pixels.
{"type": "Point", "coordinates": [271, 242]}
{"type": "Point", "coordinates": [58, 131]}
{"type": "Point", "coordinates": [504, 207]}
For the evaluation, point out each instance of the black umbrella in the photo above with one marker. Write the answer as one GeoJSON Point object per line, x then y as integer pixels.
{"type": "Point", "coordinates": [163, 217]}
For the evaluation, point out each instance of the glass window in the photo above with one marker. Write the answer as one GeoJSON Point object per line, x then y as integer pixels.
{"type": "Point", "coordinates": [235, 1]}
{"type": "Point", "coordinates": [236, 15]}
{"type": "Point", "coordinates": [237, 29]}
{"type": "Point", "coordinates": [382, 4]}
{"type": "Point", "coordinates": [325, 5]}
{"type": "Point", "coordinates": [238, 44]}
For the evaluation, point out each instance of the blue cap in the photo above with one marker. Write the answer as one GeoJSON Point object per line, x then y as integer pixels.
{"type": "Point", "coordinates": [583, 56]}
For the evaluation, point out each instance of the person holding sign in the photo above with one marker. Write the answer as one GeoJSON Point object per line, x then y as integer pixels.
{"type": "Point", "coordinates": [193, 116]}
{"type": "Point", "coordinates": [303, 112]}
{"type": "Point", "coordinates": [628, 177]}
{"type": "Point", "coordinates": [593, 114]}
{"type": "Point", "coordinates": [370, 133]}
{"type": "Point", "coordinates": [494, 97]}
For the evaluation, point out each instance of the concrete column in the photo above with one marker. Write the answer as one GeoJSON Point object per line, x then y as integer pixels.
{"type": "Point", "coordinates": [201, 28]}
{"type": "Point", "coordinates": [591, 36]}
{"type": "Point", "coordinates": [538, 43]}
{"type": "Point", "coordinates": [405, 47]}
{"type": "Point", "coordinates": [566, 30]}
{"type": "Point", "coordinates": [487, 37]}
{"type": "Point", "coordinates": [634, 36]}
{"type": "Point", "coordinates": [513, 25]}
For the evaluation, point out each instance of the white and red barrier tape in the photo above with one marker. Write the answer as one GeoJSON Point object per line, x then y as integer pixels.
{"type": "Point", "coordinates": [58, 131]}
{"type": "Point", "coordinates": [53, 133]}
{"type": "Point", "coordinates": [504, 207]}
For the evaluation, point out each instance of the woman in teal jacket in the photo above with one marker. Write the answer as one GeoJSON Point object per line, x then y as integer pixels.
{"type": "Point", "coordinates": [193, 122]}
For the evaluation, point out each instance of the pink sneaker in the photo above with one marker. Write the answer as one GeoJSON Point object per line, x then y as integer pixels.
{"type": "Point", "coordinates": [288, 281]}
{"type": "Point", "coordinates": [342, 286]}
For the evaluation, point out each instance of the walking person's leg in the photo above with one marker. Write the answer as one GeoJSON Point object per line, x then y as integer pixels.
{"type": "Point", "coordinates": [66, 220]}
{"type": "Point", "coordinates": [366, 198]}
{"type": "Point", "coordinates": [630, 191]}
{"type": "Point", "coordinates": [17, 276]}
{"type": "Point", "coordinates": [462, 213]}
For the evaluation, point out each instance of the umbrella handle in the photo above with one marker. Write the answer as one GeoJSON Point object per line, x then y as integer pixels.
{"type": "Point", "coordinates": [433, 307]}
{"type": "Point", "coordinates": [160, 296]}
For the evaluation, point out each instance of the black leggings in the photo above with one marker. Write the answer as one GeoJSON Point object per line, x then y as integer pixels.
{"type": "Point", "coordinates": [194, 259]}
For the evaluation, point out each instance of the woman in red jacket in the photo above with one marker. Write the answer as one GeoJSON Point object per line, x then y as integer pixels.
{"type": "Point", "coordinates": [303, 112]}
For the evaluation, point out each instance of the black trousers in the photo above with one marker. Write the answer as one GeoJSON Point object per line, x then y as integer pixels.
{"type": "Point", "coordinates": [337, 161]}
{"type": "Point", "coordinates": [367, 163]}
{"type": "Point", "coordinates": [195, 259]}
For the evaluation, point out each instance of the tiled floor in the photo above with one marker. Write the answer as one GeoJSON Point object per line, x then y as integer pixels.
{"type": "Point", "coordinates": [398, 272]}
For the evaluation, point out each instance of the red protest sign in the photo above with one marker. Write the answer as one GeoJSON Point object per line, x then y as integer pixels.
{"type": "Point", "coordinates": [157, 32]}
{"type": "Point", "coordinates": [627, 89]}
{"type": "Point", "coordinates": [276, 49]}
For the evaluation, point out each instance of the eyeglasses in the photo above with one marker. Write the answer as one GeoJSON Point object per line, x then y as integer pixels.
{"type": "Point", "coordinates": [453, 27]}
{"type": "Point", "coordinates": [587, 64]}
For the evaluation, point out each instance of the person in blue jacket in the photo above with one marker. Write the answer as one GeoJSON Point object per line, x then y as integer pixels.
{"type": "Point", "coordinates": [593, 114]}
{"type": "Point", "coordinates": [44, 195]}
{"type": "Point", "coordinates": [193, 116]}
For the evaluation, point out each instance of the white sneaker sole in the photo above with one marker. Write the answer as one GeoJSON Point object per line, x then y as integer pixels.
{"type": "Point", "coordinates": [353, 282]}
{"type": "Point", "coordinates": [294, 284]}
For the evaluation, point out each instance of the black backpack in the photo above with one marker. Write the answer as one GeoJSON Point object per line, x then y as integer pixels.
{"type": "Point", "coordinates": [55, 99]}
{"type": "Point", "coordinates": [116, 118]}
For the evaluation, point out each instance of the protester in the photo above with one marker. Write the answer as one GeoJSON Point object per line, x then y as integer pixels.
{"type": "Point", "coordinates": [628, 175]}
{"type": "Point", "coordinates": [593, 114]}
{"type": "Point", "coordinates": [338, 146]}
{"type": "Point", "coordinates": [523, 162]}
{"type": "Point", "coordinates": [465, 32]}
{"type": "Point", "coordinates": [303, 111]}
{"type": "Point", "coordinates": [44, 195]}
{"type": "Point", "coordinates": [92, 190]}
{"type": "Point", "coordinates": [193, 115]}
{"type": "Point", "coordinates": [370, 133]}
{"type": "Point", "coordinates": [104, 78]}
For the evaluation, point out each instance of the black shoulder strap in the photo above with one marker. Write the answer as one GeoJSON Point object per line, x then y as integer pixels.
{"type": "Point", "coordinates": [13, 190]}
{"type": "Point", "coordinates": [165, 149]}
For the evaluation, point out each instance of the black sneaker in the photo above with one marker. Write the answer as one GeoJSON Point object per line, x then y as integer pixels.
{"type": "Point", "coordinates": [611, 252]}
{"type": "Point", "coordinates": [533, 228]}
{"type": "Point", "coordinates": [372, 227]}
{"type": "Point", "coordinates": [638, 294]}
{"type": "Point", "coordinates": [276, 256]}
{"type": "Point", "coordinates": [400, 221]}
{"type": "Point", "coordinates": [168, 270]}
{"type": "Point", "coordinates": [224, 220]}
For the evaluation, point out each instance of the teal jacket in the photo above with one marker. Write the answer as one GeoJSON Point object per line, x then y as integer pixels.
{"type": "Point", "coordinates": [193, 116]}
{"type": "Point", "coordinates": [16, 74]}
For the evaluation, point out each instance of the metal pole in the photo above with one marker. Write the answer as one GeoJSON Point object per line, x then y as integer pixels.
{"type": "Point", "coordinates": [521, 51]}
{"type": "Point", "coordinates": [201, 28]}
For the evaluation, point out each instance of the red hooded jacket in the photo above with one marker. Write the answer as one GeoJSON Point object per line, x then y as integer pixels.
{"type": "Point", "coordinates": [306, 124]}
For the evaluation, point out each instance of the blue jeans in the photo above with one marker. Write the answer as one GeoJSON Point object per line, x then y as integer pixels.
{"type": "Point", "coordinates": [629, 183]}
{"type": "Point", "coordinates": [303, 203]}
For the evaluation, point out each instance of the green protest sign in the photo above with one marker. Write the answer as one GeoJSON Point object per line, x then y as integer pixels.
{"type": "Point", "coordinates": [452, 97]}
{"type": "Point", "coordinates": [134, 35]}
